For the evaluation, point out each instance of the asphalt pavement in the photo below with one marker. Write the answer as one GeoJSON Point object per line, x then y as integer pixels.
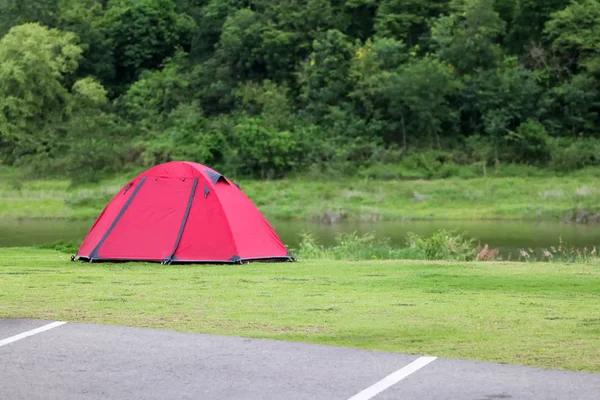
{"type": "Point", "coordinates": [80, 361]}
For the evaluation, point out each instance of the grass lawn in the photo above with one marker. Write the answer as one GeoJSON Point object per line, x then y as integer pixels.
{"type": "Point", "coordinates": [547, 198]}
{"type": "Point", "coordinates": [545, 315]}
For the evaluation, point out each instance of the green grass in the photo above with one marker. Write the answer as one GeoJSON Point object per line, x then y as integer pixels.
{"type": "Point", "coordinates": [537, 314]}
{"type": "Point", "coordinates": [546, 197]}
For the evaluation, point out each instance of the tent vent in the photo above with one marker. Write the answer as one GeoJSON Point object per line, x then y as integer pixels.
{"type": "Point", "coordinates": [215, 177]}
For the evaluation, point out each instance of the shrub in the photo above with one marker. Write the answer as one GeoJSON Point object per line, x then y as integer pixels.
{"type": "Point", "coordinates": [529, 144]}
{"type": "Point", "coordinates": [352, 247]}
{"type": "Point", "coordinates": [443, 245]}
{"type": "Point", "coordinates": [310, 249]}
{"type": "Point", "coordinates": [266, 151]}
{"type": "Point", "coordinates": [570, 155]}
{"type": "Point", "coordinates": [423, 165]}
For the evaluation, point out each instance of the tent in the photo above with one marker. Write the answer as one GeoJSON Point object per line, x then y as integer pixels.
{"type": "Point", "coordinates": [181, 212]}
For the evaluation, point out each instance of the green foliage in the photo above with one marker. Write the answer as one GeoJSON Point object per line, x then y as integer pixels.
{"type": "Point", "coordinates": [496, 103]}
{"type": "Point", "coordinates": [143, 33]}
{"type": "Point", "coordinates": [240, 43]}
{"type": "Point", "coordinates": [35, 66]}
{"type": "Point", "coordinates": [569, 155]}
{"type": "Point", "coordinates": [352, 247]}
{"type": "Point", "coordinates": [18, 12]}
{"type": "Point", "coordinates": [210, 19]}
{"type": "Point", "coordinates": [407, 20]}
{"type": "Point", "coordinates": [420, 96]}
{"type": "Point", "coordinates": [155, 95]}
{"type": "Point", "coordinates": [443, 245]}
{"type": "Point", "coordinates": [424, 165]}
{"type": "Point", "coordinates": [371, 69]}
{"type": "Point", "coordinates": [575, 34]}
{"type": "Point", "coordinates": [187, 136]}
{"type": "Point", "coordinates": [270, 88]}
{"type": "Point", "coordinates": [529, 144]}
{"type": "Point", "coordinates": [266, 150]}
{"type": "Point", "coordinates": [467, 38]}
{"type": "Point", "coordinates": [84, 19]}
{"type": "Point", "coordinates": [325, 75]}
{"type": "Point", "coordinates": [526, 20]}
{"type": "Point", "coordinates": [572, 107]}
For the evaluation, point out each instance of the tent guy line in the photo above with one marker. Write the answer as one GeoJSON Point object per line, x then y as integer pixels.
{"type": "Point", "coordinates": [393, 378]}
{"type": "Point", "coordinates": [32, 332]}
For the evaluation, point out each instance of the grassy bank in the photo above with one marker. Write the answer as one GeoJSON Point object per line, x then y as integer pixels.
{"type": "Point", "coordinates": [537, 314]}
{"type": "Point", "coordinates": [574, 197]}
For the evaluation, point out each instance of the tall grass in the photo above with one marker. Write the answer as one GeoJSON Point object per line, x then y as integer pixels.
{"type": "Point", "coordinates": [560, 253]}
{"type": "Point", "coordinates": [442, 245]}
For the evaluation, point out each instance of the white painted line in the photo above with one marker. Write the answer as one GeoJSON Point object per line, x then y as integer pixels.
{"type": "Point", "coordinates": [32, 332]}
{"type": "Point", "coordinates": [392, 379]}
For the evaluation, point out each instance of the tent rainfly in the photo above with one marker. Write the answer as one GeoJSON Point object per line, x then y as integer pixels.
{"type": "Point", "coordinates": [181, 212]}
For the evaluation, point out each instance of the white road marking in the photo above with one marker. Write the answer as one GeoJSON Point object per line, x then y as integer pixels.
{"type": "Point", "coordinates": [32, 332]}
{"type": "Point", "coordinates": [392, 379]}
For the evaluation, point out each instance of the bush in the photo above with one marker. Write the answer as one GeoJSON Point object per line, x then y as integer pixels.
{"type": "Point", "coordinates": [92, 146]}
{"type": "Point", "coordinates": [570, 155]}
{"type": "Point", "coordinates": [443, 245]}
{"type": "Point", "coordinates": [423, 165]}
{"type": "Point", "coordinates": [530, 144]}
{"type": "Point", "coordinates": [352, 247]}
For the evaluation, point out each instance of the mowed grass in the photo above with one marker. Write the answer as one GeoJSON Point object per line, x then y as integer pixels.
{"type": "Point", "coordinates": [330, 200]}
{"type": "Point", "coordinates": [543, 314]}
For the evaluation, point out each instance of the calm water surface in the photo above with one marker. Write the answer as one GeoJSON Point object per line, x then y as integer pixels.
{"type": "Point", "coordinates": [506, 235]}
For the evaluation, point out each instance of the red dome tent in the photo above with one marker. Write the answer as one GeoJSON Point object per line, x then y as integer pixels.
{"type": "Point", "coordinates": [181, 212]}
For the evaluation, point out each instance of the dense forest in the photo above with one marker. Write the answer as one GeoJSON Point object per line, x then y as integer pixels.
{"type": "Point", "coordinates": [269, 88]}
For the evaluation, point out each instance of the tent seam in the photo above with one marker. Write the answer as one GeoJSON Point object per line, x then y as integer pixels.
{"type": "Point", "coordinates": [235, 246]}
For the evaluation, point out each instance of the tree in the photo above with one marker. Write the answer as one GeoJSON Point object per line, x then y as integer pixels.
{"type": "Point", "coordinates": [407, 19]}
{"type": "Point", "coordinates": [49, 121]}
{"type": "Point", "coordinates": [360, 18]}
{"type": "Point", "coordinates": [151, 99]}
{"type": "Point", "coordinates": [419, 95]}
{"type": "Point", "coordinates": [209, 20]}
{"type": "Point", "coordinates": [17, 12]}
{"type": "Point", "coordinates": [326, 73]}
{"type": "Point", "coordinates": [268, 100]}
{"type": "Point", "coordinates": [143, 33]}
{"type": "Point", "coordinates": [575, 34]}
{"type": "Point", "coordinates": [496, 102]}
{"type": "Point", "coordinates": [572, 107]}
{"type": "Point", "coordinates": [240, 45]}
{"type": "Point", "coordinates": [289, 31]}
{"type": "Point", "coordinates": [35, 66]}
{"type": "Point", "coordinates": [468, 37]}
{"type": "Point", "coordinates": [84, 17]}
{"type": "Point", "coordinates": [372, 68]}
{"type": "Point", "coordinates": [526, 21]}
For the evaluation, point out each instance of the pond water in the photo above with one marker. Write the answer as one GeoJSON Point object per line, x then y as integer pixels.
{"type": "Point", "coordinates": [508, 236]}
